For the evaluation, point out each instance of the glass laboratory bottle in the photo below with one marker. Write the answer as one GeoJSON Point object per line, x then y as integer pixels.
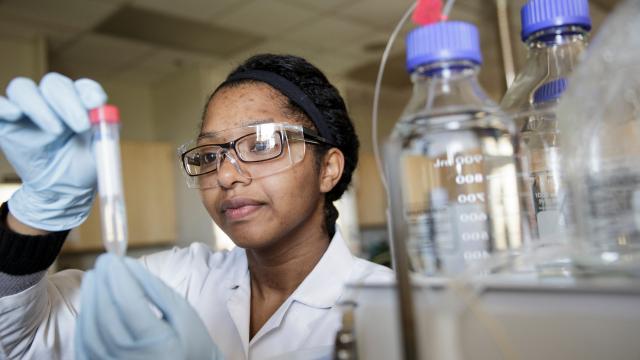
{"type": "Point", "coordinates": [599, 122]}
{"type": "Point", "coordinates": [450, 158]}
{"type": "Point", "coordinates": [555, 33]}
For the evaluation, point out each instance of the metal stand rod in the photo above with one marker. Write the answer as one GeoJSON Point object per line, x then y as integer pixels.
{"type": "Point", "coordinates": [505, 41]}
{"type": "Point", "coordinates": [397, 239]}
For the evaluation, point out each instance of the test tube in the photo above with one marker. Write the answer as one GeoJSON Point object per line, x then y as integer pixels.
{"type": "Point", "coordinates": [105, 124]}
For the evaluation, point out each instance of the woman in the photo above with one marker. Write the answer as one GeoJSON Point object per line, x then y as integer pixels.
{"type": "Point", "coordinates": [276, 148]}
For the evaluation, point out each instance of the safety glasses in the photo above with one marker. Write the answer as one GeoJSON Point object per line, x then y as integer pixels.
{"type": "Point", "coordinates": [255, 151]}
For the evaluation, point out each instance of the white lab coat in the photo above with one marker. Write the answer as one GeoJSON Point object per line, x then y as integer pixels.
{"type": "Point", "coordinates": [39, 323]}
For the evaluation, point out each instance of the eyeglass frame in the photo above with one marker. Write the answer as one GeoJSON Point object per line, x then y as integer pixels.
{"type": "Point", "coordinates": [313, 138]}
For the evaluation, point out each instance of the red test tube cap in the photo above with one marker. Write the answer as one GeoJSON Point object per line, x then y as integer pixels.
{"type": "Point", "coordinates": [106, 113]}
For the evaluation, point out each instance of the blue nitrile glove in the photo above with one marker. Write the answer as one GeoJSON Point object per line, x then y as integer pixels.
{"type": "Point", "coordinates": [44, 133]}
{"type": "Point", "coordinates": [116, 320]}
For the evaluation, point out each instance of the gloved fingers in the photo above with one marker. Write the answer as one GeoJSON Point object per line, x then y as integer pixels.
{"type": "Point", "coordinates": [158, 293]}
{"type": "Point", "coordinates": [103, 328]}
{"type": "Point", "coordinates": [122, 288]}
{"type": "Point", "coordinates": [24, 93]}
{"type": "Point", "coordinates": [126, 296]}
{"type": "Point", "coordinates": [183, 319]}
{"type": "Point", "coordinates": [89, 341]}
{"type": "Point", "coordinates": [91, 93]}
{"type": "Point", "coordinates": [8, 111]}
{"type": "Point", "coordinates": [61, 95]}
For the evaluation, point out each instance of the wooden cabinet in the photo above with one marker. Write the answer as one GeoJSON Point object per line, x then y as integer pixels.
{"type": "Point", "coordinates": [149, 187]}
{"type": "Point", "coordinates": [370, 193]}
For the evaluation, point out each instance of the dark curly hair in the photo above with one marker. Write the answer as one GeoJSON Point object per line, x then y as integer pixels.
{"type": "Point", "coordinates": [328, 101]}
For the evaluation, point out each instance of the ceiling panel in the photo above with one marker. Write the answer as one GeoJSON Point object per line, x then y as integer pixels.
{"type": "Point", "coordinates": [474, 6]}
{"type": "Point", "coordinates": [340, 36]}
{"type": "Point", "coordinates": [55, 37]}
{"type": "Point", "coordinates": [271, 46]}
{"type": "Point", "coordinates": [159, 63]}
{"type": "Point", "coordinates": [328, 32]}
{"type": "Point", "coordinates": [395, 75]}
{"type": "Point", "coordinates": [10, 27]}
{"type": "Point", "coordinates": [280, 47]}
{"type": "Point", "coordinates": [66, 14]}
{"type": "Point", "coordinates": [264, 17]}
{"type": "Point", "coordinates": [320, 4]}
{"type": "Point", "coordinates": [335, 63]}
{"type": "Point", "coordinates": [382, 14]}
{"type": "Point", "coordinates": [98, 56]}
{"type": "Point", "coordinates": [201, 10]}
{"type": "Point", "coordinates": [374, 43]}
{"type": "Point", "coordinates": [605, 5]}
{"type": "Point", "coordinates": [478, 12]}
{"type": "Point", "coordinates": [175, 32]}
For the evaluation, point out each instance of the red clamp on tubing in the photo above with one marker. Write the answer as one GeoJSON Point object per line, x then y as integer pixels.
{"type": "Point", "coordinates": [106, 113]}
{"type": "Point", "coordinates": [428, 12]}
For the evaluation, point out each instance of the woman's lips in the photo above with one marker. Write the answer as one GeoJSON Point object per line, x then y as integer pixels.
{"type": "Point", "coordinates": [239, 208]}
{"type": "Point", "coordinates": [241, 212]}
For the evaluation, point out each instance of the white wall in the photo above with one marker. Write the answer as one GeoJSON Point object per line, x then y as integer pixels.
{"type": "Point", "coordinates": [359, 100]}
{"type": "Point", "coordinates": [19, 57]}
{"type": "Point", "coordinates": [178, 101]}
{"type": "Point", "coordinates": [136, 109]}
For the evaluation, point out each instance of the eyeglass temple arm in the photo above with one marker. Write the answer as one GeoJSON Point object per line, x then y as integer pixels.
{"type": "Point", "coordinates": [311, 136]}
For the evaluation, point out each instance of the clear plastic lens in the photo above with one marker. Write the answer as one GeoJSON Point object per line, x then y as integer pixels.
{"type": "Point", "coordinates": [254, 151]}
{"type": "Point", "coordinates": [259, 148]}
{"type": "Point", "coordinates": [249, 148]}
{"type": "Point", "coordinates": [201, 160]}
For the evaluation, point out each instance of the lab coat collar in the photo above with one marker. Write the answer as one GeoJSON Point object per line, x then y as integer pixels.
{"type": "Point", "coordinates": [240, 272]}
{"type": "Point", "coordinates": [239, 305]}
{"type": "Point", "coordinates": [320, 289]}
{"type": "Point", "coordinates": [323, 286]}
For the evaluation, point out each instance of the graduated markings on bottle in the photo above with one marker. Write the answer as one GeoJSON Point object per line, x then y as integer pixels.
{"type": "Point", "coordinates": [473, 217]}
{"type": "Point", "coordinates": [466, 179]}
{"type": "Point", "coordinates": [479, 236]}
{"type": "Point", "coordinates": [475, 255]}
{"type": "Point", "coordinates": [458, 160]}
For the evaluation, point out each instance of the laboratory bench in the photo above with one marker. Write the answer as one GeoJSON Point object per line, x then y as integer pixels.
{"type": "Point", "coordinates": [504, 317]}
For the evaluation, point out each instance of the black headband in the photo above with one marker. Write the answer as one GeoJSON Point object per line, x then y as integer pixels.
{"type": "Point", "coordinates": [291, 91]}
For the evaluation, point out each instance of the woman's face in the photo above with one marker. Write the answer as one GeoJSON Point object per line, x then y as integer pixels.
{"type": "Point", "coordinates": [257, 213]}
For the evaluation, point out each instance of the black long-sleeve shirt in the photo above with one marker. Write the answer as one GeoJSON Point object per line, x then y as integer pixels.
{"type": "Point", "coordinates": [24, 259]}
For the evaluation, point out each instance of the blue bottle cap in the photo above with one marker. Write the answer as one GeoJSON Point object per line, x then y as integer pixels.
{"type": "Point", "coordinates": [550, 91]}
{"type": "Point", "coordinates": [443, 41]}
{"type": "Point", "coordinates": [538, 15]}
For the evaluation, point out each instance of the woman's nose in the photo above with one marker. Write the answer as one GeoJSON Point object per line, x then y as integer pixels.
{"type": "Point", "coordinates": [230, 172]}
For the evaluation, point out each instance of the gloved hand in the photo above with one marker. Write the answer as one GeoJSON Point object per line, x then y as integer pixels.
{"type": "Point", "coordinates": [116, 320]}
{"type": "Point", "coordinates": [44, 133]}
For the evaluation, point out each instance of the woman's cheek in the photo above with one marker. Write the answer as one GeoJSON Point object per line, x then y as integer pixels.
{"type": "Point", "coordinates": [208, 200]}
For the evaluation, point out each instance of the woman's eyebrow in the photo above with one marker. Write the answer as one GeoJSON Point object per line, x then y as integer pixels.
{"type": "Point", "coordinates": [247, 123]}
{"type": "Point", "coordinates": [205, 134]}
{"type": "Point", "coordinates": [258, 122]}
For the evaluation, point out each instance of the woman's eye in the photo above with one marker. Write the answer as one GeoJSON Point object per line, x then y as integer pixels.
{"type": "Point", "coordinates": [263, 146]}
{"type": "Point", "coordinates": [208, 158]}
